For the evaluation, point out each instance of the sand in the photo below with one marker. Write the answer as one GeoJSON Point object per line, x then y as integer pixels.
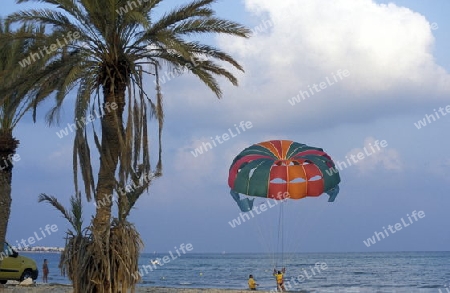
{"type": "Point", "coordinates": [56, 288]}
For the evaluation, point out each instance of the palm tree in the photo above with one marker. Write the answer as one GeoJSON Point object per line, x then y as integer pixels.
{"type": "Point", "coordinates": [108, 48]}
{"type": "Point", "coordinates": [15, 101]}
{"type": "Point", "coordinates": [76, 241]}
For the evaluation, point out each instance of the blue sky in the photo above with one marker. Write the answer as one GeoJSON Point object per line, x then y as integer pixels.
{"type": "Point", "coordinates": [396, 54]}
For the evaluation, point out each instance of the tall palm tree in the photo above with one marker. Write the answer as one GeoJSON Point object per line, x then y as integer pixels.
{"type": "Point", "coordinates": [15, 46]}
{"type": "Point", "coordinates": [108, 48]}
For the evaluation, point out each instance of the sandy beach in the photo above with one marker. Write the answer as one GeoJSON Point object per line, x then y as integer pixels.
{"type": "Point", "coordinates": [57, 288]}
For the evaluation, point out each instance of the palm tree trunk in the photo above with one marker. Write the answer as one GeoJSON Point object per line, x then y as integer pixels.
{"type": "Point", "coordinates": [110, 150]}
{"type": "Point", "coordinates": [8, 146]}
{"type": "Point", "coordinates": [5, 204]}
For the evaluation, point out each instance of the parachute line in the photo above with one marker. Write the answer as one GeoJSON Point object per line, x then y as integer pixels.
{"type": "Point", "coordinates": [280, 239]}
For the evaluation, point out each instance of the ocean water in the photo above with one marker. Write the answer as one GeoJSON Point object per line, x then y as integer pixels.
{"type": "Point", "coordinates": [375, 272]}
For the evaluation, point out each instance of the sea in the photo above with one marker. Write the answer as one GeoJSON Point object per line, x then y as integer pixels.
{"type": "Point", "coordinates": [374, 272]}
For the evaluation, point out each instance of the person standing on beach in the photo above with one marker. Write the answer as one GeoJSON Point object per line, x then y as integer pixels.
{"type": "Point", "coordinates": [252, 283]}
{"type": "Point", "coordinates": [280, 279]}
{"type": "Point", "coordinates": [45, 271]}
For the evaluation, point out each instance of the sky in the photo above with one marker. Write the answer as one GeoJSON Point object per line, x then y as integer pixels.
{"type": "Point", "coordinates": [344, 75]}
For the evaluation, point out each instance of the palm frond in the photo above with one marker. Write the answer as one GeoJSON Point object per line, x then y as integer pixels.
{"type": "Point", "coordinates": [57, 205]}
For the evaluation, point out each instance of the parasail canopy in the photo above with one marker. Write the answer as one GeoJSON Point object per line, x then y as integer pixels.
{"type": "Point", "coordinates": [281, 169]}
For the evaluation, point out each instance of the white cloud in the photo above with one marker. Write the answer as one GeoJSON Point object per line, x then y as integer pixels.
{"type": "Point", "coordinates": [386, 48]}
{"type": "Point", "coordinates": [439, 168]}
{"type": "Point", "coordinates": [60, 159]}
{"type": "Point", "coordinates": [195, 168]}
{"type": "Point", "coordinates": [375, 153]}
{"type": "Point", "coordinates": [380, 44]}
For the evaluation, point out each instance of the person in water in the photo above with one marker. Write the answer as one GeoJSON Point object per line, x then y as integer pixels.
{"type": "Point", "coordinates": [45, 271]}
{"type": "Point", "coordinates": [252, 283]}
{"type": "Point", "coordinates": [280, 279]}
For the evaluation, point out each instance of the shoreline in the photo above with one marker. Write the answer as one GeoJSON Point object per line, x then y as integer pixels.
{"type": "Point", "coordinates": [60, 288]}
